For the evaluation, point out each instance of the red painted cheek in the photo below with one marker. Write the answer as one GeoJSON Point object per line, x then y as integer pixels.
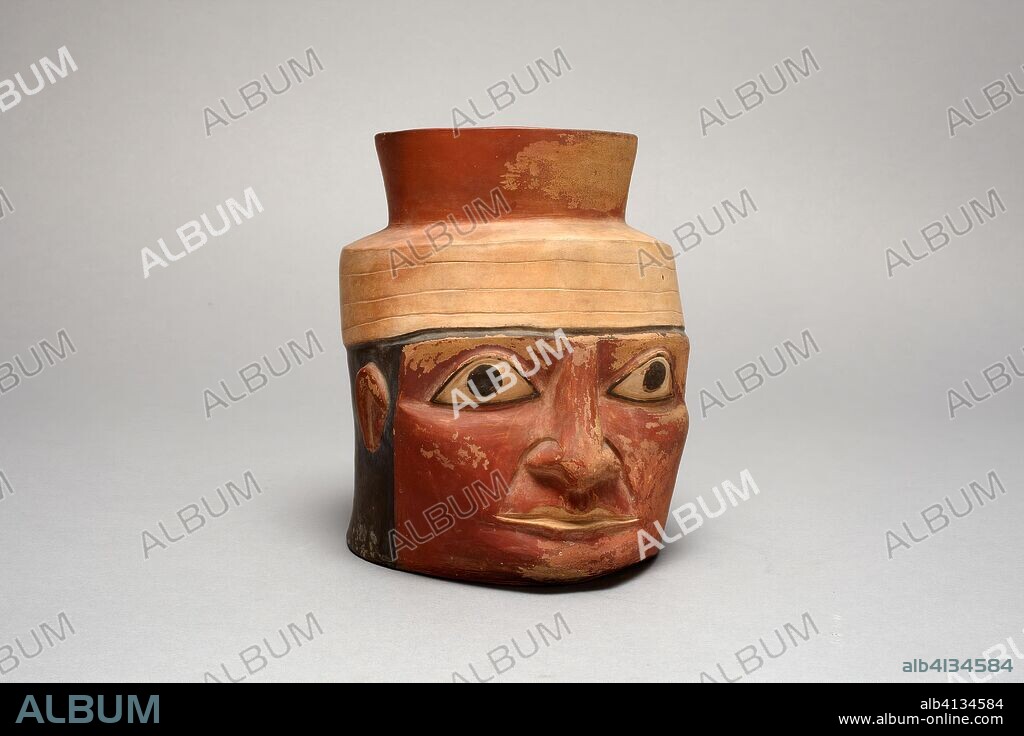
{"type": "Point", "coordinates": [650, 444]}
{"type": "Point", "coordinates": [438, 456]}
{"type": "Point", "coordinates": [470, 447]}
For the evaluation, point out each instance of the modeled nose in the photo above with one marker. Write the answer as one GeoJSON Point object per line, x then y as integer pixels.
{"type": "Point", "coordinates": [577, 468]}
{"type": "Point", "coordinates": [576, 459]}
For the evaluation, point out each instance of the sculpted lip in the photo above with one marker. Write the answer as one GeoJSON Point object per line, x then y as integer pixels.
{"type": "Point", "coordinates": [558, 520]}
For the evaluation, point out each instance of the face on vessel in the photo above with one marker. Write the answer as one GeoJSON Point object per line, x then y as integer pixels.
{"type": "Point", "coordinates": [536, 466]}
{"type": "Point", "coordinates": [519, 394]}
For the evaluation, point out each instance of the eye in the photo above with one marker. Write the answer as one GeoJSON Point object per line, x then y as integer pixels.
{"type": "Point", "coordinates": [651, 381]}
{"type": "Point", "coordinates": [485, 380]}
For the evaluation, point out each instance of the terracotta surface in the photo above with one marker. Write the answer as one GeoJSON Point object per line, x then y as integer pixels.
{"type": "Point", "coordinates": [504, 227]}
{"type": "Point", "coordinates": [519, 391]}
{"type": "Point", "coordinates": [430, 173]}
{"type": "Point", "coordinates": [573, 451]}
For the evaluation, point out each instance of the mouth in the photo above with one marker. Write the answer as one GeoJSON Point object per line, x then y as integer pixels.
{"type": "Point", "coordinates": [558, 521]}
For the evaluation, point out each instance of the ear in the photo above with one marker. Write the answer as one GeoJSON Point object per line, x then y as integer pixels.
{"type": "Point", "coordinates": [372, 404]}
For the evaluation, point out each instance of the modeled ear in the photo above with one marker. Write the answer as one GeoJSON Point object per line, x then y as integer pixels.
{"type": "Point", "coordinates": [372, 403]}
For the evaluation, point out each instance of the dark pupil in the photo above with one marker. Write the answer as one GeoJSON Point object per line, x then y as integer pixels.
{"type": "Point", "coordinates": [482, 380]}
{"type": "Point", "coordinates": [654, 376]}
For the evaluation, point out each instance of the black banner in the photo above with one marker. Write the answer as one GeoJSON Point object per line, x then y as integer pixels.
{"type": "Point", "coordinates": [174, 707]}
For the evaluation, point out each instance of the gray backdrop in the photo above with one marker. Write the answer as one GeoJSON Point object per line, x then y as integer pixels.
{"type": "Point", "coordinates": [855, 155]}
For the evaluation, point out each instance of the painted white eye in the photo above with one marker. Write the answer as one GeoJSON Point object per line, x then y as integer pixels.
{"type": "Point", "coordinates": [651, 381]}
{"type": "Point", "coordinates": [485, 380]}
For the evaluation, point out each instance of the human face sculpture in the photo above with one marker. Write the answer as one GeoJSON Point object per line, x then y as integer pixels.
{"type": "Point", "coordinates": [535, 456]}
{"type": "Point", "coordinates": [517, 364]}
